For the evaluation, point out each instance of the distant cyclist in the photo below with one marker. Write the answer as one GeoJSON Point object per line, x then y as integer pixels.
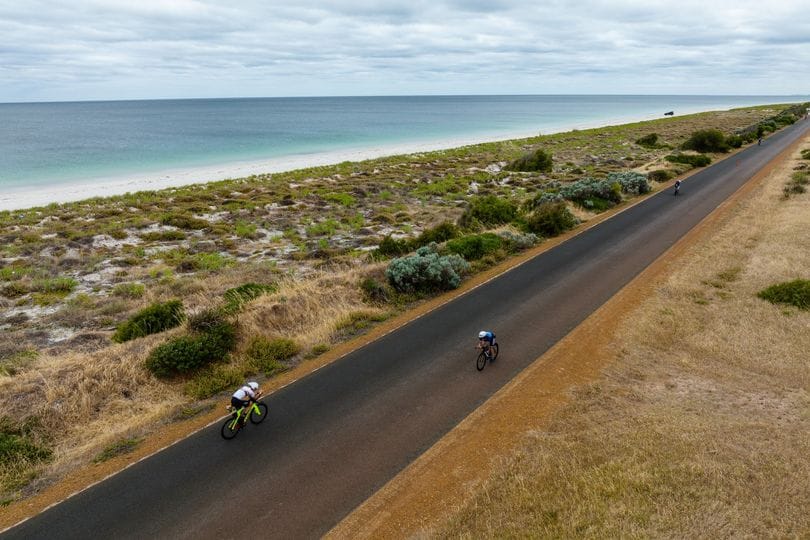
{"type": "Point", "coordinates": [245, 396]}
{"type": "Point", "coordinates": [485, 341]}
{"type": "Point", "coordinates": [677, 187]}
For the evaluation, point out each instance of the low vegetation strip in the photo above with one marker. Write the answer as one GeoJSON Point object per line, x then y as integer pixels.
{"type": "Point", "coordinates": [284, 259]}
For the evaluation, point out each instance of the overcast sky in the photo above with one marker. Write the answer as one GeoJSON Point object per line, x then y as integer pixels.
{"type": "Point", "coordinates": [134, 49]}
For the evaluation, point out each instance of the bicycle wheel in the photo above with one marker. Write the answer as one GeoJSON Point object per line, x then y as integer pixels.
{"type": "Point", "coordinates": [494, 350]}
{"type": "Point", "coordinates": [258, 418]}
{"type": "Point", "coordinates": [230, 428]}
{"type": "Point", "coordinates": [482, 361]}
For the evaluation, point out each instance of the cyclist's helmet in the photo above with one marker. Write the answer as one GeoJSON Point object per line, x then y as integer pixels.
{"type": "Point", "coordinates": [482, 334]}
{"type": "Point", "coordinates": [253, 385]}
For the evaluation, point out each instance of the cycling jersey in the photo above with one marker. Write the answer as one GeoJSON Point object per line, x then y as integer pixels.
{"type": "Point", "coordinates": [489, 337]}
{"type": "Point", "coordinates": [244, 394]}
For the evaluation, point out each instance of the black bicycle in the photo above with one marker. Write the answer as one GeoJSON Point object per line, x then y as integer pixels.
{"type": "Point", "coordinates": [490, 353]}
{"type": "Point", "coordinates": [256, 412]}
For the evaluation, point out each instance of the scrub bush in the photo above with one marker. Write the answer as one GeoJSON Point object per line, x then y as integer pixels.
{"type": "Point", "coordinates": [631, 182]}
{"type": "Point", "coordinates": [648, 141]}
{"type": "Point", "coordinates": [695, 160]}
{"type": "Point", "coordinates": [392, 247]}
{"type": "Point", "coordinates": [489, 211]}
{"type": "Point", "coordinates": [440, 233]}
{"type": "Point", "coordinates": [267, 355]}
{"type": "Point", "coordinates": [151, 320]}
{"type": "Point", "coordinates": [188, 353]}
{"type": "Point", "coordinates": [475, 246]}
{"type": "Point", "coordinates": [795, 293]}
{"type": "Point", "coordinates": [707, 140]}
{"type": "Point", "coordinates": [660, 175]}
{"type": "Point", "coordinates": [184, 221]}
{"type": "Point", "coordinates": [551, 219]}
{"type": "Point", "coordinates": [426, 271]}
{"type": "Point", "coordinates": [591, 188]}
{"type": "Point", "coordinates": [539, 160]}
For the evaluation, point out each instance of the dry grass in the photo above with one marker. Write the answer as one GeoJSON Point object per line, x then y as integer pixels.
{"type": "Point", "coordinates": [110, 394]}
{"type": "Point", "coordinates": [701, 426]}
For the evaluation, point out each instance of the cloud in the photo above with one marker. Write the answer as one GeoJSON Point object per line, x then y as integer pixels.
{"type": "Point", "coordinates": [108, 49]}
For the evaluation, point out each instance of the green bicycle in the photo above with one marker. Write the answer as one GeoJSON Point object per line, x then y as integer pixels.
{"type": "Point", "coordinates": [256, 412]}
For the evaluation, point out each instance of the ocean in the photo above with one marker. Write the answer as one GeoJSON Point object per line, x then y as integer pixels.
{"type": "Point", "coordinates": [47, 147]}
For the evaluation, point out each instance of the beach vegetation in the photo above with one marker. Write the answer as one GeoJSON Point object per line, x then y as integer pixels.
{"type": "Point", "coordinates": [237, 297]}
{"type": "Point", "coordinates": [694, 160]}
{"type": "Point", "coordinates": [805, 153]}
{"type": "Point", "coordinates": [488, 211]}
{"type": "Point", "coordinates": [661, 175]}
{"type": "Point", "coordinates": [538, 160]}
{"type": "Point", "coordinates": [184, 221]}
{"type": "Point", "coordinates": [631, 182]}
{"type": "Point", "coordinates": [426, 271]}
{"type": "Point", "coordinates": [795, 293]}
{"type": "Point", "coordinates": [24, 446]}
{"type": "Point", "coordinates": [475, 246]}
{"type": "Point", "coordinates": [375, 291]}
{"type": "Point", "coordinates": [707, 140]}
{"type": "Point", "coordinates": [129, 290]}
{"type": "Point", "coordinates": [550, 219]}
{"type": "Point", "coordinates": [343, 199]}
{"type": "Point", "coordinates": [156, 318]}
{"type": "Point", "coordinates": [268, 355]}
{"type": "Point", "coordinates": [648, 141]}
{"type": "Point", "coordinates": [245, 229]}
{"type": "Point", "coordinates": [189, 353]}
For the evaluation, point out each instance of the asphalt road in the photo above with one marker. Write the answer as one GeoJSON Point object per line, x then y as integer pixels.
{"type": "Point", "coordinates": [337, 435]}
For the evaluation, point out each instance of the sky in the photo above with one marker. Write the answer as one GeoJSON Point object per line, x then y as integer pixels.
{"type": "Point", "coordinates": [149, 49]}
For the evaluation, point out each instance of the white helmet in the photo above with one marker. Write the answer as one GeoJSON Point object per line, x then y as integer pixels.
{"type": "Point", "coordinates": [253, 385]}
{"type": "Point", "coordinates": [482, 334]}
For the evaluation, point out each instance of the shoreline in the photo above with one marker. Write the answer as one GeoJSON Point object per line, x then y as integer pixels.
{"type": "Point", "coordinates": [15, 199]}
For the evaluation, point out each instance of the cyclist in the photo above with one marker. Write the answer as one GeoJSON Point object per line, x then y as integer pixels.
{"type": "Point", "coordinates": [243, 397]}
{"type": "Point", "coordinates": [485, 341]}
{"type": "Point", "coordinates": [677, 187]}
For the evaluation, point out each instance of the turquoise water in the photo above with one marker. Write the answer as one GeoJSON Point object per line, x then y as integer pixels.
{"type": "Point", "coordinates": [46, 144]}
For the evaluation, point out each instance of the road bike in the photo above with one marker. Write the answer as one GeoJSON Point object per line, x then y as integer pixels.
{"type": "Point", "coordinates": [256, 412]}
{"type": "Point", "coordinates": [490, 353]}
{"type": "Point", "coordinates": [677, 188]}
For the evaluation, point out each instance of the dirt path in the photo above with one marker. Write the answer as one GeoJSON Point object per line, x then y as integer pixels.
{"type": "Point", "coordinates": [440, 480]}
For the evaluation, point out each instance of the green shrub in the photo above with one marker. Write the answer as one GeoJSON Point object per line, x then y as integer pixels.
{"type": "Point", "coordinates": [475, 246]}
{"type": "Point", "coordinates": [517, 242]}
{"type": "Point", "coordinates": [426, 271]}
{"type": "Point", "coordinates": [551, 219]}
{"type": "Point", "coordinates": [163, 236]}
{"type": "Point", "coordinates": [538, 160]}
{"type": "Point", "coordinates": [806, 153]}
{"type": "Point", "coordinates": [630, 181]}
{"type": "Point", "coordinates": [795, 293]}
{"type": "Point", "coordinates": [648, 141]}
{"type": "Point", "coordinates": [129, 290]}
{"type": "Point", "coordinates": [707, 140]}
{"type": "Point", "coordinates": [440, 233]}
{"type": "Point", "coordinates": [695, 160]}
{"type": "Point", "coordinates": [734, 141]}
{"type": "Point", "coordinates": [184, 221]}
{"type": "Point", "coordinates": [244, 229]}
{"type": "Point", "coordinates": [151, 320]}
{"type": "Point", "coordinates": [392, 247]}
{"type": "Point", "coordinates": [660, 175]}
{"type": "Point", "coordinates": [267, 355]}
{"type": "Point", "coordinates": [236, 297]}
{"type": "Point", "coordinates": [189, 353]}
{"type": "Point", "coordinates": [489, 211]}
{"type": "Point", "coordinates": [590, 189]}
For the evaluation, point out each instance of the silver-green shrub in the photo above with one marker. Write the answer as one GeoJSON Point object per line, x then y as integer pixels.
{"type": "Point", "coordinates": [631, 182]}
{"type": "Point", "coordinates": [426, 270]}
